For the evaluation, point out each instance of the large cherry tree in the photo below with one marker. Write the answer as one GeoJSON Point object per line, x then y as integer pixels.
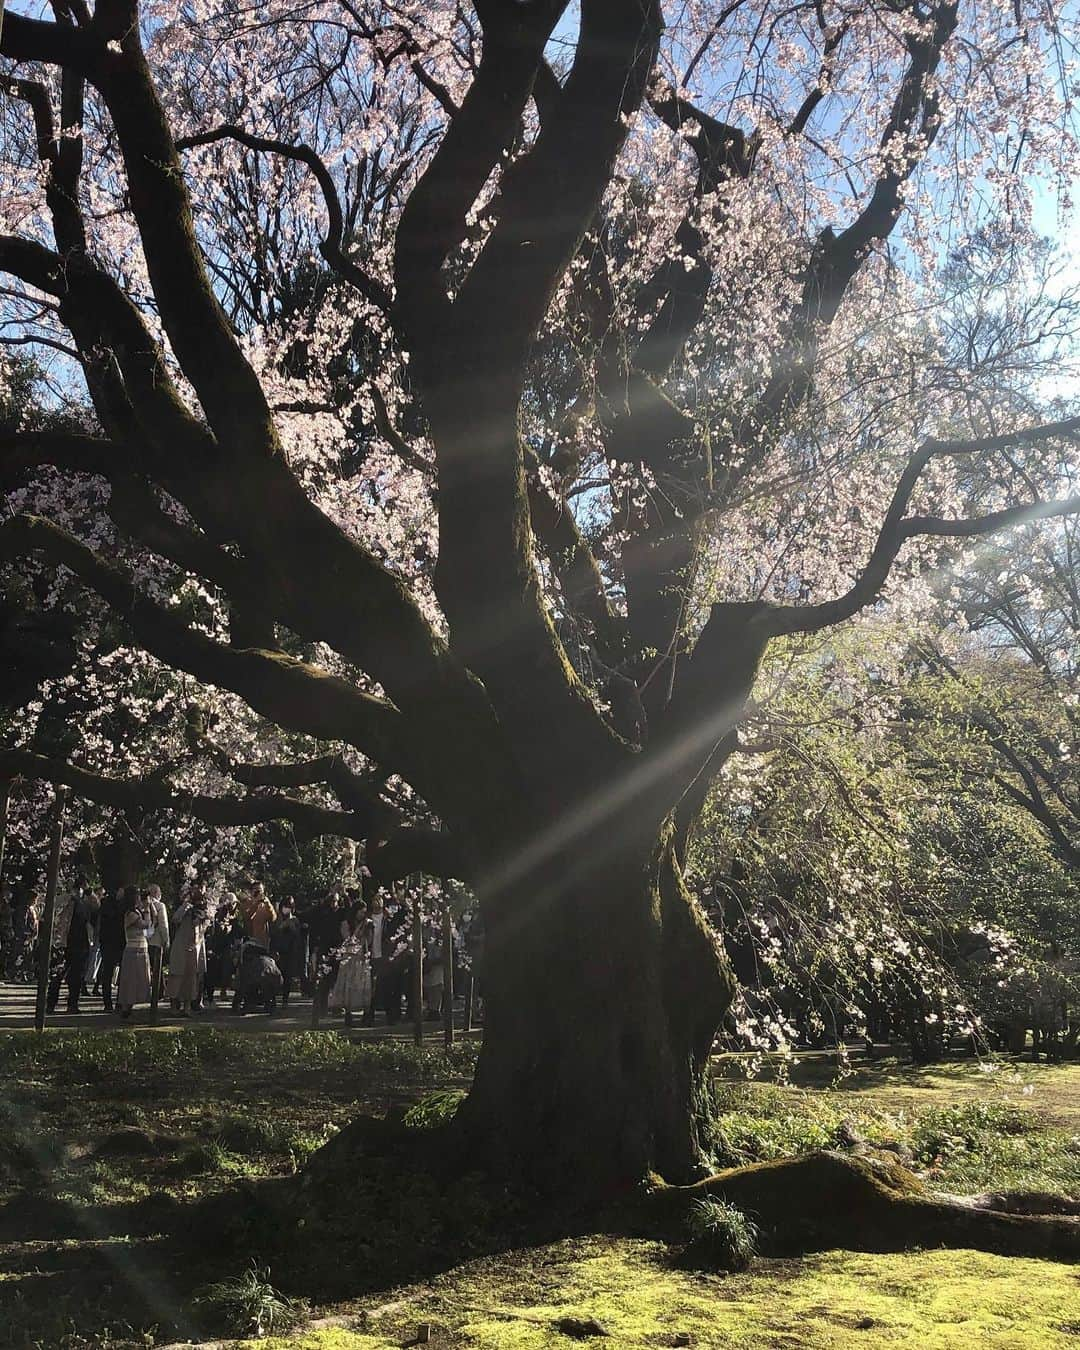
{"type": "Point", "coordinates": [600, 289]}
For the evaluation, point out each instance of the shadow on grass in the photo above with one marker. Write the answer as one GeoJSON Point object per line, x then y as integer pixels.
{"type": "Point", "coordinates": [378, 1207]}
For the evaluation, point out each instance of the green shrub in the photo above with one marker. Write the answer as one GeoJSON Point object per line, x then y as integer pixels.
{"type": "Point", "coordinates": [941, 1131]}
{"type": "Point", "coordinates": [720, 1234]}
{"type": "Point", "coordinates": [249, 1305]}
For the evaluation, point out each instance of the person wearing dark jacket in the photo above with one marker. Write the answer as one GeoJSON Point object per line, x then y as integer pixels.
{"type": "Point", "coordinates": [77, 918]}
{"type": "Point", "coordinates": [24, 932]}
{"type": "Point", "coordinates": [396, 965]}
{"type": "Point", "coordinates": [324, 928]}
{"type": "Point", "coordinates": [112, 940]}
{"type": "Point", "coordinates": [223, 941]}
{"type": "Point", "coordinates": [288, 948]}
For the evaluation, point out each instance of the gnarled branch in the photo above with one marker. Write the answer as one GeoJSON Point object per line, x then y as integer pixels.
{"type": "Point", "coordinates": [292, 693]}
{"type": "Point", "coordinates": [153, 793]}
{"type": "Point", "coordinates": [332, 246]}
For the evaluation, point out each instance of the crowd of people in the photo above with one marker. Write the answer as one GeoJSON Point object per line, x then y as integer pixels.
{"type": "Point", "coordinates": [353, 957]}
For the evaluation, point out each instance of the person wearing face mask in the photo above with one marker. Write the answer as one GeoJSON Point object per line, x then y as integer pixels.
{"type": "Point", "coordinates": [112, 941]}
{"type": "Point", "coordinates": [157, 942]}
{"type": "Point", "coordinates": [187, 958]}
{"type": "Point", "coordinates": [134, 984]}
{"type": "Point", "coordinates": [288, 948]}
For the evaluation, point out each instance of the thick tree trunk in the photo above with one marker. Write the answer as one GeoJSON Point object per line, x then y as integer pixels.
{"type": "Point", "coordinates": [603, 988]}
{"type": "Point", "coordinates": [121, 859]}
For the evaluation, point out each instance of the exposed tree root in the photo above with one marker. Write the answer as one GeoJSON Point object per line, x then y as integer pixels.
{"type": "Point", "coordinates": [818, 1201]}
{"type": "Point", "coordinates": [835, 1200]}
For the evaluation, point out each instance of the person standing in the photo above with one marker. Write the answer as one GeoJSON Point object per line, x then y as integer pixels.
{"type": "Point", "coordinates": [24, 927]}
{"type": "Point", "coordinates": [258, 913]}
{"type": "Point", "coordinates": [157, 944]}
{"type": "Point", "coordinates": [287, 947]}
{"type": "Point", "coordinates": [376, 920]}
{"type": "Point", "coordinates": [187, 956]}
{"type": "Point", "coordinates": [134, 983]}
{"type": "Point", "coordinates": [397, 958]}
{"type": "Point", "coordinates": [73, 930]}
{"type": "Point", "coordinates": [93, 961]}
{"type": "Point", "coordinates": [223, 939]}
{"type": "Point", "coordinates": [111, 940]}
{"type": "Point", "coordinates": [321, 925]}
{"type": "Point", "coordinates": [351, 992]}
{"type": "Point", "coordinates": [325, 938]}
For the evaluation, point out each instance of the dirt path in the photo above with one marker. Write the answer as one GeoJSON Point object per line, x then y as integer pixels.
{"type": "Point", "coordinates": [17, 1014]}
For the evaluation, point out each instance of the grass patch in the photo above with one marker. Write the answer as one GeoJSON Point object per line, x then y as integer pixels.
{"type": "Point", "coordinates": [434, 1110]}
{"type": "Point", "coordinates": [75, 1057]}
{"type": "Point", "coordinates": [249, 1305]}
{"type": "Point", "coordinates": [1000, 1142]}
{"type": "Point", "coordinates": [721, 1235]}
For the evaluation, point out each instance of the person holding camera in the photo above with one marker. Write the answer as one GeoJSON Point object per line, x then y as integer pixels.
{"type": "Point", "coordinates": [134, 983]}
{"type": "Point", "coordinates": [187, 955]}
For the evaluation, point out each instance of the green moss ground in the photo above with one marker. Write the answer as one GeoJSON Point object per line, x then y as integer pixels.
{"type": "Point", "coordinates": [110, 1143]}
{"type": "Point", "coordinates": [833, 1301]}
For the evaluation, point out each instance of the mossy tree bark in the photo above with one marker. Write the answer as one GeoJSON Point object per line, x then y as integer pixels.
{"type": "Point", "coordinates": [827, 1200]}
{"type": "Point", "coordinates": [603, 990]}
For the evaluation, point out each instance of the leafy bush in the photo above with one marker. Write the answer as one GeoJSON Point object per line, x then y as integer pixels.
{"type": "Point", "coordinates": [208, 1158]}
{"type": "Point", "coordinates": [249, 1305]}
{"type": "Point", "coordinates": [944, 1130]}
{"type": "Point", "coordinates": [742, 1138]}
{"type": "Point", "coordinates": [720, 1234]}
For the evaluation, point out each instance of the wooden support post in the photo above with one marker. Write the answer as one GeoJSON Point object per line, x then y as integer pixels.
{"type": "Point", "coordinates": [470, 985]}
{"type": "Point", "coordinates": [45, 933]}
{"type": "Point", "coordinates": [448, 970]}
{"type": "Point", "coordinates": [5, 801]}
{"type": "Point", "coordinates": [418, 965]}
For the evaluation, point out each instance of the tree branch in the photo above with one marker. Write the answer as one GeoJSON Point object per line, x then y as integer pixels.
{"type": "Point", "coordinates": [24, 39]}
{"type": "Point", "coordinates": [23, 451]}
{"type": "Point", "coordinates": [910, 131]}
{"type": "Point", "coordinates": [332, 245]}
{"type": "Point", "coordinates": [412, 848]}
{"type": "Point", "coordinates": [291, 693]}
{"type": "Point", "coordinates": [433, 222]}
{"type": "Point", "coordinates": [397, 442]}
{"type": "Point", "coordinates": [898, 527]}
{"type": "Point", "coordinates": [152, 793]}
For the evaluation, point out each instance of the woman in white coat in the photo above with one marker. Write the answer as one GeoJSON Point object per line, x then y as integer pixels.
{"type": "Point", "coordinates": [134, 984]}
{"type": "Point", "coordinates": [187, 955]}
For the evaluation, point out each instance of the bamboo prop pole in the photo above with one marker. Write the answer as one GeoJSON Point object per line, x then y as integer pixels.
{"type": "Point", "coordinates": [48, 919]}
{"type": "Point", "coordinates": [418, 965]}
{"type": "Point", "coordinates": [5, 802]}
{"type": "Point", "coordinates": [448, 969]}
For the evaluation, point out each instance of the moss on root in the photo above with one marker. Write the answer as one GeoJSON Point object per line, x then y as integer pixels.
{"type": "Point", "coordinates": [831, 1199]}
{"type": "Point", "coordinates": [832, 1301]}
